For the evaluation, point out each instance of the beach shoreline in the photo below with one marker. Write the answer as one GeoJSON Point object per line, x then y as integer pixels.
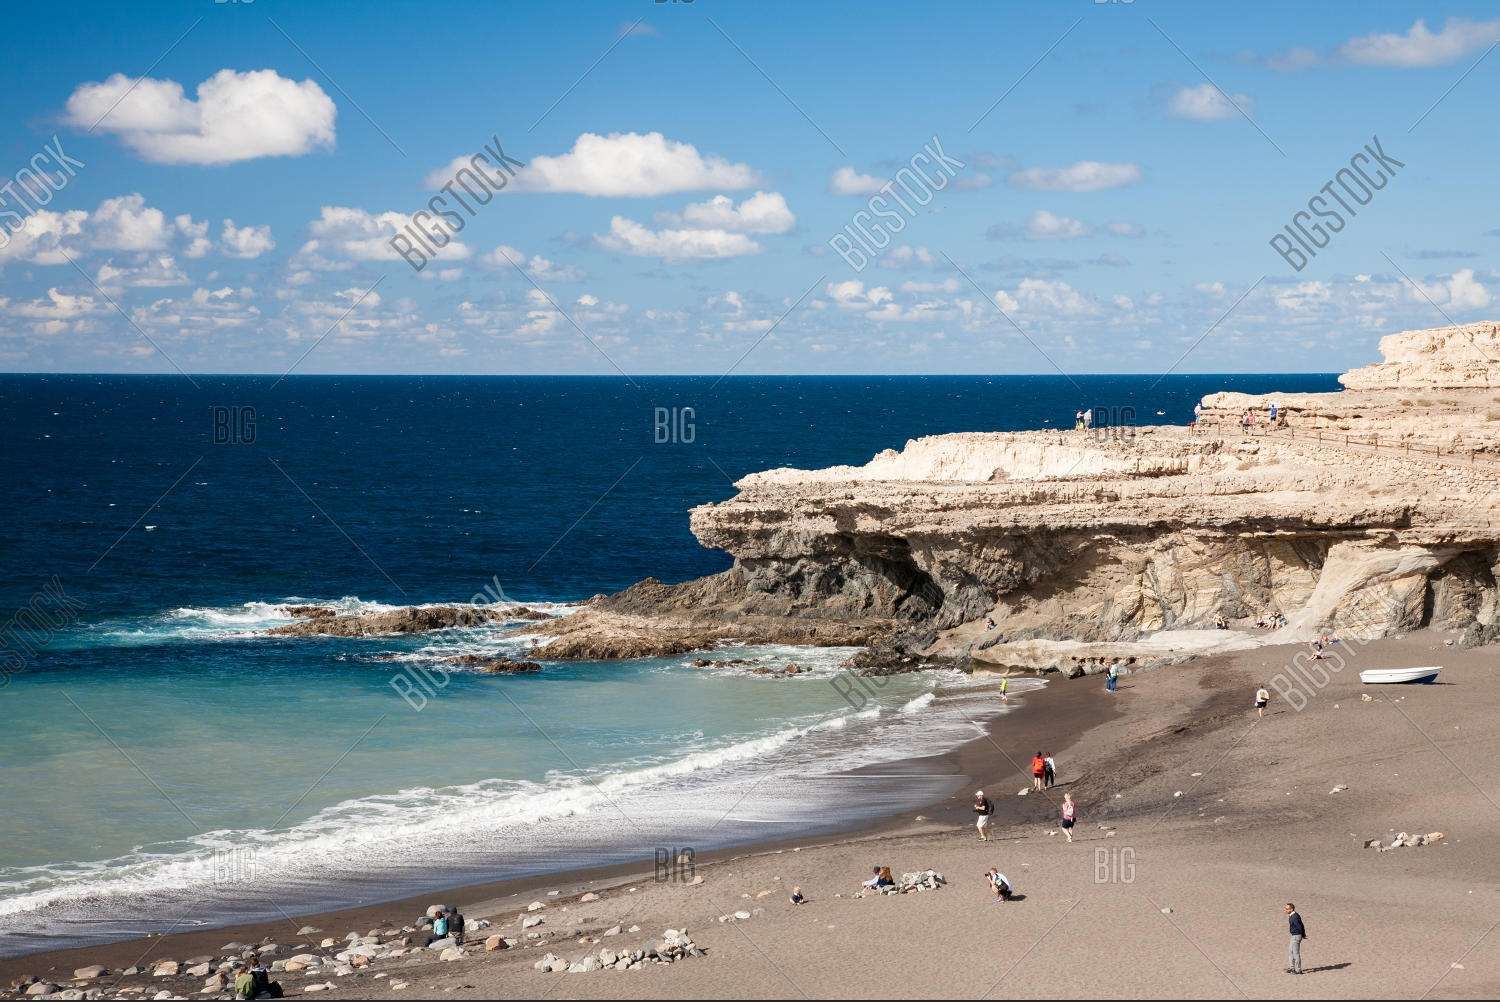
{"type": "Point", "coordinates": [1198, 821]}
{"type": "Point", "coordinates": [1058, 704]}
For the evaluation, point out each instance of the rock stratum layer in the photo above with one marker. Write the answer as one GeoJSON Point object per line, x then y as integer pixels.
{"type": "Point", "coordinates": [1079, 543]}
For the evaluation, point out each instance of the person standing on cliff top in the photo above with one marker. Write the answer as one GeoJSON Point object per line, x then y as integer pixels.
{"type": "Point", "coordinates": [984, 808]}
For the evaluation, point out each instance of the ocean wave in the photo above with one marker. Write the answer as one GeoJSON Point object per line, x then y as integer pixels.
{"type": "Point", "coordinates": [252, 620]}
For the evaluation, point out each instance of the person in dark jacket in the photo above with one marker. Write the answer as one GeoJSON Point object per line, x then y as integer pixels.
{"type": "Point", "coordinates": [1298, 931]}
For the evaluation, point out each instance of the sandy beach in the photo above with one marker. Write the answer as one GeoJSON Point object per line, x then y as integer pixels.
{"type": "Point", "coordinates": [1198, 820]}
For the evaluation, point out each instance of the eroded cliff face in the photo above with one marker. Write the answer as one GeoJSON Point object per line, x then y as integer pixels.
{"type": "Point", "coordinates": [1066, 541]}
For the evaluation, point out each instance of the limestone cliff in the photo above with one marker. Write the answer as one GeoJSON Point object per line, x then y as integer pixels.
{"type": "Point", "coordinates": [1074, 543]}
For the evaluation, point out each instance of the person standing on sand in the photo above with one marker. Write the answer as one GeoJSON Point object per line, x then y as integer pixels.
{"type": "Point", "coordinates": [1262, 697]}
{"type": "Point", "coordinates": [1004, 689]}
{"type": "Point", "coordinates": [1298, 932]}
{"type": "Point", "coordinates": [1069, 815]}
{"type": "Point", "coordinates": [1111, 678]}
{"type": "Point", "coordinates": [984, 808]}
{"type": "Point", "coordinates": [1049, 777]}
{"type": "Point", "coordinates": [1038, 770]}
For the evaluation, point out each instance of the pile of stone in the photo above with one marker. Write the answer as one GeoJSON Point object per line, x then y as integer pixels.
{"type": "Point", "coordinates": [1403, 841]}
{"type": "Point", "coordinates": [213, 974]}
{"type": "Point", "coordinates": [673, 946]}
{"type": "Point", "coordinates": [922, 880]}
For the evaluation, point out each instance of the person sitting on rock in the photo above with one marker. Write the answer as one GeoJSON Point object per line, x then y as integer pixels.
{"type": "Point", "coordinates": [244, 982]}
{"type": "Point", "coordinates": [456, 926]}
{"type": "Point", "coordinates": [260, 981]}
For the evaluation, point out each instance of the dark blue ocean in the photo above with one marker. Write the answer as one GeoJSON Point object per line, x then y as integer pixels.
{"type": "Point", "coordinates": [162, 754]}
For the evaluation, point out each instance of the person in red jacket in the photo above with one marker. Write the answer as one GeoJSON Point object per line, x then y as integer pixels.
{"type": "Point", "coordinates": [1038, 770]}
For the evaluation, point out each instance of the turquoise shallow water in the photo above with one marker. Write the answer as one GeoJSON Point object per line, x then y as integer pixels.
{"type": "Point", "coordinates": [163, 761]}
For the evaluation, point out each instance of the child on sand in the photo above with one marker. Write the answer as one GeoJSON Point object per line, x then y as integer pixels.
{"type": "Point", "coordinates": [1069, 815]}
{"type": "Point", "coordinates": [797, 898]}
{"type": "Point", "coordinates": [1262, 697]}
{"type": "Point", "coordinates": [983, 807]}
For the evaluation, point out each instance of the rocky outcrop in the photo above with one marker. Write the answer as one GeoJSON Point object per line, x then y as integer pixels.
{"type": "Point", "coordinates": [320, 621]}
{"type": "Point", "coordinates": [1036, 548]}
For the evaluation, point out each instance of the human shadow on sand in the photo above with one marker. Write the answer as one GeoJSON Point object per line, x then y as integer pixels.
{"type": "Point", "coordinates": [1326, 967]}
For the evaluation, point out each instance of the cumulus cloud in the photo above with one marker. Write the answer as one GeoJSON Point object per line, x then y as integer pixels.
{"type": "Point", "coordinates": [1085, 175]}
{"type": "Point", "coordinates": [237, 116]}
{"type": "Point", "coordinates": [1044, 225]}
{"type": "Point", "coordinates": [538, 267]}
{"type": "Point", "coordinates": [149, 272]}
{"type": "Point", "coordinates": [630, 237]}
{"type": "Point", "coordinates": [1041, 297]}
{"type": "Point", "coordinates": [852, 295]}
{"type": "Point", "coordinates": [1459, 291]}
{"type": "Point", "coordinates": [354, 234]}
{"type": "Point", "coordinates": [1206, 103]}
{"type": "Point", "coordinates": [848, 181]}
{"type": "Point", "coordinates": [632, 164]}
{"type": "Point", "coordinates": [246, 242]}
{"type": "Point", "coordinates": [1419, 46]}
{"type": "Point", "coordinates": [123, 223]}
{"type": "Point", "coordinates": [762, 212]}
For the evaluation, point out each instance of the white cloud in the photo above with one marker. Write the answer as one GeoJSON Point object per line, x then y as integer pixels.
{"type": "Point", "coordinates": [1085, 175]}
{"type": "Point", "coordinates": [848, 181]}
{"type": "Point", "coordinates": [1041, 297]}
{"type": "Point", "coordinates": [904, 256]}
{"type": "Point", "coordinates": [128, 223]}
{"type": "Point", "coordinates": [1421, 47]}
{"type": "Point", "coordinates": [246, 242]}
{"type": "Point", "coordinates": [762, 212]}
{"type": "Point", "coordinates": [852, 295]}
{"type": "Point", "coordinates": [1044, 225]}
{"type": "Point", "coordinates": [1206, 103]}
{"type": "Point", "coordinates": [237, 116]}
{"type": "Point", "coordinates": [1459, 291]}
{"type": "Point", "coordinates": [196, 234]}
{"type": "Point", "coordinates": [630, 237]}
{"type": "Point", "coordinates": [152, 271]}
{"type": "Point", "coordinates": [634, 165]}
{"type": "Point", "coordinates": [57, 306]}
{"type": "Point", "coordinates": [361, 236]}
{"type": "Point", "coordinates": [536, 266]}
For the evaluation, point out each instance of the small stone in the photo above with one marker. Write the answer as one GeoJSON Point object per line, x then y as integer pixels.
{"type": "Point", "coordinates": [496, 942]}
{"type": "Point", "coordinates": [452, 953]}
{"type": "Point", "coordinates": [535, 906]}
{"type": "Point", "coordinates": [590, 896]}
{"type": "Point", "coordinates": [530, 921]}
{"type": "Point", "coordinates": [91, 972]}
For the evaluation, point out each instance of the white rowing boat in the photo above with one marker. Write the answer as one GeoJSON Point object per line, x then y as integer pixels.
{"type": "Point", "coordinates": [1384, 676]}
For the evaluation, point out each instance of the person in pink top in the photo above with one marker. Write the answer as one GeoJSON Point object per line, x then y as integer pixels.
{"type": "Point", "coordinates": [1069, 815]}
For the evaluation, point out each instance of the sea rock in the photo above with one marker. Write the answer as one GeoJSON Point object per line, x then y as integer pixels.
{"type": "Point", "coordinates": [198, 971]}
{"type": "Point", "coordinates": [165, 969]}
{"type": "Point", "coordinates": [42, 988]}
{"type": "Point", "coordinates": [91, 972]}
{"type": "Point", "coordinates": [410, 619]}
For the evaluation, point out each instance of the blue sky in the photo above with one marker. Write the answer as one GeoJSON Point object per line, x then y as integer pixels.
{"type": "Point", "coordinates": [1125, 166]}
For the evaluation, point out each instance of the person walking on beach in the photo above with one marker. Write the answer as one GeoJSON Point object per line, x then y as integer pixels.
{"type": "Point", "coordinates": [1004, 689]}
{"type": "Point", "coordinates": [1262, 697]}
{"type": "Point", "coordinates": [1298, 932]}
{"type": "Point", "coordinates": [1049, 776]}
{"type": "Point", "coordinates": [1069, 815]}
{"type": "Point", "coordinates": [1038, 770]}
{"type": "Point", "coordinates": [1111, 678]}
{"type": "Point", "coordinates": [984, 808]}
